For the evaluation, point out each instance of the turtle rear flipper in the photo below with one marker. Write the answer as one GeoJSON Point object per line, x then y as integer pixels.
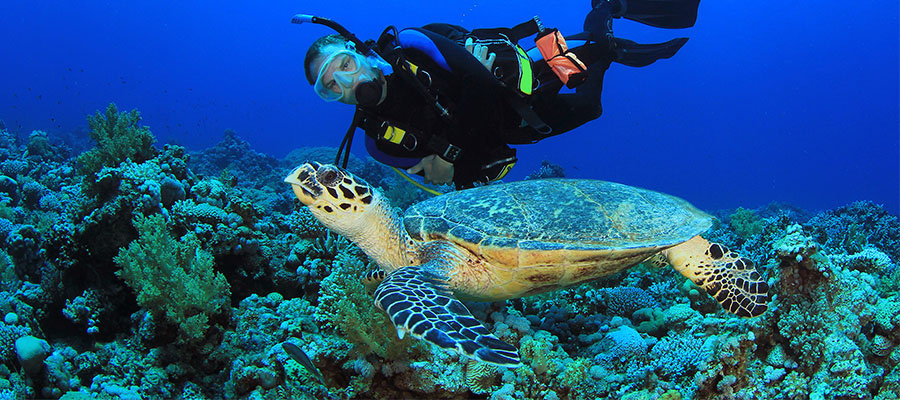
{"type": "Point", "coordinates": [419, 302]}
{"type": "Point", "coordinates": [731, 279]}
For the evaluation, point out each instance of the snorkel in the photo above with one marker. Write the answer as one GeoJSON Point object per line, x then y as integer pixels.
{"type": "Point", "coordinates": [367, 93]}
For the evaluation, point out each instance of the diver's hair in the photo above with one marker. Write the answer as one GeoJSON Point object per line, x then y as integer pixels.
{"type": "Point", "coordinates": [315, 50]}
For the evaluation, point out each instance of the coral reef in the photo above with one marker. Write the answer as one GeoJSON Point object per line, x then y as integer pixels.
{"type": "Point", "coordinates": [132, 271]}
{"type": "Point", "coordinates": [547, 170]}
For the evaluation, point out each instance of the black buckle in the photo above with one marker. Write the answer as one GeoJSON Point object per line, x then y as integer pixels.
{"type": "Point", "coordinates": [444, 149]}
{"type": "Point", "coordinates": [451, 153]}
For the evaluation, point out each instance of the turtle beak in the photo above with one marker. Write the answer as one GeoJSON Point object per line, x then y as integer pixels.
{"type": "Point", "coordinates": [303, 180]}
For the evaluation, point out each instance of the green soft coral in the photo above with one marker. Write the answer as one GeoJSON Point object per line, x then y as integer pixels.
{"type": "Point", "coordinates": [173, 278]}
{"type": "Point", "coordinates": [745, 222]}
{"type": "Point", "coordinates": [345, 307]}
{"type": "Point", "coordinates": [118, 138]}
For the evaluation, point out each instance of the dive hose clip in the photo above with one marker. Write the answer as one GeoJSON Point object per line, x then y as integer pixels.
{"type": "Point", "coordinates": [452, 152]}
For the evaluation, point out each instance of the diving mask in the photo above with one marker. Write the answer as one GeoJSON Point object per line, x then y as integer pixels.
{"type": "Point", "coordinates": [342, 74]}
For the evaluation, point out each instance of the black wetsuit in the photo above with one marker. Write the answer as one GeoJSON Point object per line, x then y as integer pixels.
{"type": "Point", "coordinates": [483, 124]}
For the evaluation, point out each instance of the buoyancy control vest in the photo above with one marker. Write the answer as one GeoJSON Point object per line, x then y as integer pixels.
{"type": "Point", "coordinates": [512, 74]}
{"type": "Point", "coordinates": [443, 48]}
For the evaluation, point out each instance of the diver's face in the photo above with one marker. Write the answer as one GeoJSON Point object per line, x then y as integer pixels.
{"type": "Point", "coordinates": [341, 71]}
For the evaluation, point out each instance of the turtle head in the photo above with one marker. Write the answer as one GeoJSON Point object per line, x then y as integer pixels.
{"type": "Point", "coordinates": [336, 197]}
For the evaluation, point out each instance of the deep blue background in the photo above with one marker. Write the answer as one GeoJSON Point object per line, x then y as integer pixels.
{"type": "Point", "coordinates": [769, 101]}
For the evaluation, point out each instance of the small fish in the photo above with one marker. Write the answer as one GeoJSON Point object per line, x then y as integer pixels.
{"type": "Point", "coordinates": [301, 358]}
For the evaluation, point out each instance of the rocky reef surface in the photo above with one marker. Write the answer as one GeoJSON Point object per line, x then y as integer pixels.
{"type": "Point", "coordinates": [138, 272]}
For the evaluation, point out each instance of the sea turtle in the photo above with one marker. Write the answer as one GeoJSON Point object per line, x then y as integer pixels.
{"type": "Point", "coordinates": [516, 239]}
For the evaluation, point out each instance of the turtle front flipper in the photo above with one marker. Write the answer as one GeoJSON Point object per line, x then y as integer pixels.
{"type": "Point", "coordinates": [420, 302]}
{"type": "Point", "coordinates": [372, 279]}
{"type": "Point", "coordinates": [731, 279]}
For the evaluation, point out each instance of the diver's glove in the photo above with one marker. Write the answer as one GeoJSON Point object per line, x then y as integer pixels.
{"type": "Point", "coordinates": [435, 169]}
{"type": "Point", "coordinates": [480, 52]}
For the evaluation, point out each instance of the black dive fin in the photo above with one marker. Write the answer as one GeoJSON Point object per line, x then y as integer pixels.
{"type": "Point", "coordinates": [671, 14]}
{"type": "Point", "coordinates": [634, 54]}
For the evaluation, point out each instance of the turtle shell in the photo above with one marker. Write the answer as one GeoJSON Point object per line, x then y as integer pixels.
{"type": "Point", "coordinates": [545, 222]}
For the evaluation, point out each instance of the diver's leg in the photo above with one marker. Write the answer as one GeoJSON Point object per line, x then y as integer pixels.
{"type": "Point", "coordinates": [598, 22]}
{"type": "Point", "coordinates": [663, 13]}
{"type": "Point", "coordinates": [567, 111]}
{"type": "Point", "coordinates": [624, 51]}
{"type": "Point", "coordinates": [635, 54]}
{"type": "Point", "coordinates": [670, 14]}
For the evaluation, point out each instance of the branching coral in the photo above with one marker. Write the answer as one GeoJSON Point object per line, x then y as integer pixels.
{"type": "Point", "coordinates": [173, 278]}
{"type": "Point", "coordinates": [623, 301]}
{"type": "Point", "coordinates": [682, 354]}
{"type": "Point", "coordinates": [853, 227]}
{"type": "Point", "coordinates": [547, 170]}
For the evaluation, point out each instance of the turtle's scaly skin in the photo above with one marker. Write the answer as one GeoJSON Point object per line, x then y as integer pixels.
{"type": "Point", "coordinates": [540, 235]}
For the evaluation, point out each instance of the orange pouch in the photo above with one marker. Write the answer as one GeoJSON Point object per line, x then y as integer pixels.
{"type": "Point", "coordinates": [562, 62]}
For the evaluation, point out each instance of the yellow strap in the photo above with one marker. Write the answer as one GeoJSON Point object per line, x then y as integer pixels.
{"type": "Point", "coordinates": [419, 185]}
{"type": "Point", "coordinates": [394, 134]}
{"type": "Point", "coordinates": [506, 169]}
{"type": "Point", "coordinates": [412, 67]}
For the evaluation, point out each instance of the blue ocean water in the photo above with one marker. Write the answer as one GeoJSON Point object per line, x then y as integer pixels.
{"type": "Point", "coordinates": [198, 274]}
{"type": "Point", "coordinates": [769, 101]}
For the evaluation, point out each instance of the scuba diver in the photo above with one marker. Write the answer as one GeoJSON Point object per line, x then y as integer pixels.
{"type": "Point", "coordinates": [446, 103]}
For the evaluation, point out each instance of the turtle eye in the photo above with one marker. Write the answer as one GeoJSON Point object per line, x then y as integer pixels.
{"type": "Point", "coordinates": [329, 175]}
